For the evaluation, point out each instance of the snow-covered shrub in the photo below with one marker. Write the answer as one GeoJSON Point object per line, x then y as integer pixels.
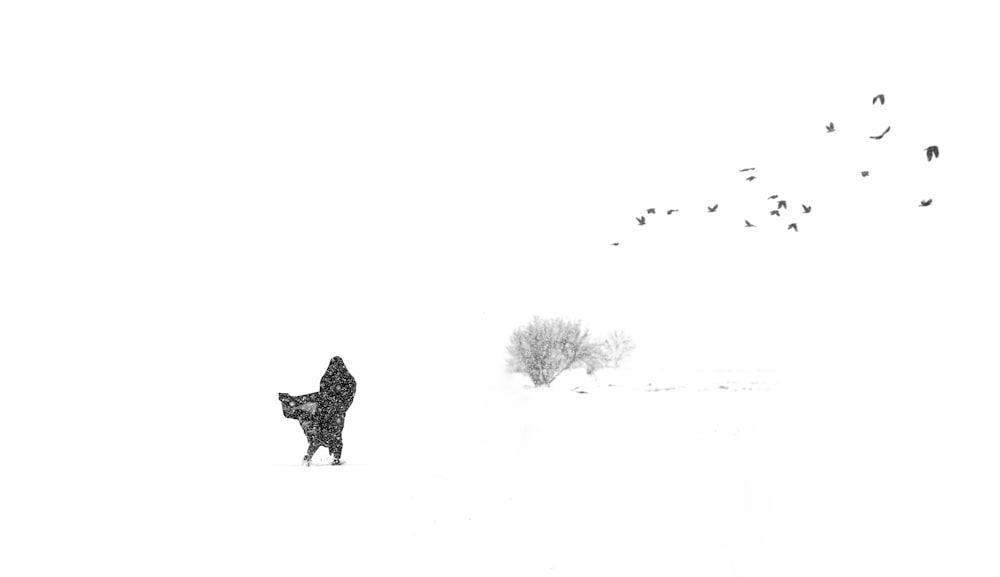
{"type": "Point", "coordinates": [546, 347]}
{"type": "Point", "coordinates": [616, 347]}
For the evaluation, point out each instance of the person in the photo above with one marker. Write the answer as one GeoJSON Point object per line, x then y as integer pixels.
{"type": "Point", "coordinates": [327, 409]}
{"type": "Point", "coordinates": [336, 394]}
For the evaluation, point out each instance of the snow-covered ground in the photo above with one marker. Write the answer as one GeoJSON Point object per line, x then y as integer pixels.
{"type": "Point", "coordinates": [498, 478]}
{"type": "Point", "coordinates": [502, 480]}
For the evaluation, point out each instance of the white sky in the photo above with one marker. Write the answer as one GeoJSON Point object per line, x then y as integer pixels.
{"type": "Point", "coordinates": [203, 201]}
{"type": "Point", "coordinates": [236, 191]}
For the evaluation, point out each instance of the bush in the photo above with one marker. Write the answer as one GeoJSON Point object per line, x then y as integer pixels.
{"type": "Point", "coordinates": [544, 348]}
{"type": "Point", "coordinates": [616, 347]}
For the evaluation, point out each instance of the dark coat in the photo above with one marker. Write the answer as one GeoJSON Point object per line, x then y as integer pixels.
{"type": "Point", "coordinates": [304, 409]}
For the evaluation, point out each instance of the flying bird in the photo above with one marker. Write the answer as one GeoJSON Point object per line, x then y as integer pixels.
{"type": "Point", "coordinates": [806, 209]}
{"type": "Point", "coordinates": [748, 224]}
{"type": "Point", "coordinates": [775, 213]}
{"type": "Point", "coordinates": [750, 178]}
{"type": "Point", "coordinates": [641, 219]}
{"type": "Point", "coordinates": [926, 202]}
{"type": "Point", "coordinates": [614, 244]}
{"type": "Point", "coordinates": [931, 150]}
{"type": "Point", "coordinates": [772, 197]}
{"type": "Point", "coordinates": [650, 211]}
{"type": "Point", "coordinates": [794, 227]}
{"type": "Point", "coordinates": [864, 173]}
{"type": "Point", "coordinates": [782, 204]}
{"type": "Point", "coordinates": [880, 98]}
{"type": "Point", "coordinates": [829, 127]}
{"type": "Point", "coordinates": [713, 208]}
{"type": "Point", "coordinates": [745, 169]}
{"type": "Point", "coordinates": [879, 137]}
{"type": "Point", "coordinates": [672, 210]}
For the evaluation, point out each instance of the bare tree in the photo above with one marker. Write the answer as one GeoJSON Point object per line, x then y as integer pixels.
{"type": "Point", "coordinates": [544, 348]}
{"type": "Point", "coordinates": [594, 357]}
{"type": "Point", "coordinates": [616, 347]}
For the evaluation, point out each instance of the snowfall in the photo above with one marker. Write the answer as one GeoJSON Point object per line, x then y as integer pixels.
{"type": "Point", "coordinates": [790, 424]}
{"type": "Point", "coordinates": [205, 202]}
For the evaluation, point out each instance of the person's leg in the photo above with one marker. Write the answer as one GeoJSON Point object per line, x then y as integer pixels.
{"type": "Point", "coordinates": [313, 446]}
{"type": "Point", "coordinates": [337, 440]}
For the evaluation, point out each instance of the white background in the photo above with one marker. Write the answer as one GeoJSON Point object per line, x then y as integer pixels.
{"type": "Point", "coordinates": [204, 201]}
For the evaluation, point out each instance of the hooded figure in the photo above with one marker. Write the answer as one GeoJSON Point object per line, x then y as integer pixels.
{"type": "Point", "coordinates": [336, 393]}
{"type": "Point", "coordinates": [322, 414]}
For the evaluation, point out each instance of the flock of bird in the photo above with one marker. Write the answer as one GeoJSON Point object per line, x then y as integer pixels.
{"type": "Point", "coordinates": [931, 151]}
